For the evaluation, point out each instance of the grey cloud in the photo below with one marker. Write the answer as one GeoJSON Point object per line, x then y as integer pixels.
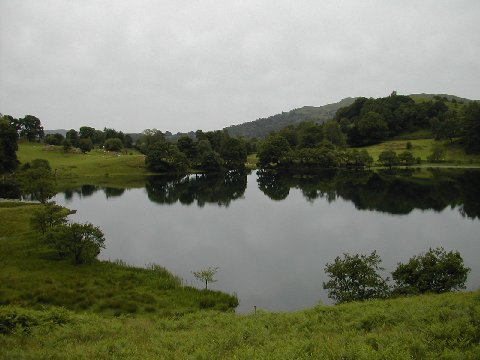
{"type": "Point", "coordinates": [183, 65]}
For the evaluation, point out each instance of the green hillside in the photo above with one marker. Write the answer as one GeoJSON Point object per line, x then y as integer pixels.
{"type": "Point", "coordinates": [264, 126]}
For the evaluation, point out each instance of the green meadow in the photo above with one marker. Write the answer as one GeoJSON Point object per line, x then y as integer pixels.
{"type": "Point", "coordinates": [98, 167]}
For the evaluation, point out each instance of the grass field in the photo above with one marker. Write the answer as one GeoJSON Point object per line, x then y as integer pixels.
{"type": "Point", "coordinates": [422, 148]}
{"type": "Point", "coordinates": [96, 167]}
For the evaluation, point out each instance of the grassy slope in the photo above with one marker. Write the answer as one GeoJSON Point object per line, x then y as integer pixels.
{"type": "Point", "coordinates": [96, 167]}
{"type": "Point", "coordinates": [31, 275]}
{"type": "Point", "coordinates": [422, 148]}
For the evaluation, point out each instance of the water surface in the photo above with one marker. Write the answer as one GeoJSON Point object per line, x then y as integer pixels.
{"type": "Point", "coordinates": [272, 235]}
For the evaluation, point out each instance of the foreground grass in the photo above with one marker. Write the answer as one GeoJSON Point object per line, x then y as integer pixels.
{"type": "Point", "coordinates": [96, 167]}
{"type": "Point", "coordinates": [422, 327]}
{"type": "Point", "coordinates": [31, 275]}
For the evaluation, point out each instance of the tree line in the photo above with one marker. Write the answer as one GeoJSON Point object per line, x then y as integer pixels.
{"type": "Point", "coordinates": [357, 277]}
{"type": "Point", "coordinates": [211, 151]}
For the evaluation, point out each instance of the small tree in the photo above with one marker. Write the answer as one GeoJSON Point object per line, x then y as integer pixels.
{"type": "Point", "coordinates": [438, 154]}
{"type": "Point", "coordinates": [206, 275]}
{"type": "Point", "coordinates": [355, 278]}
{"type": "Point", "coordinates": [48, 216]}
{"type": "Point", "coordinates": [435, 271]}
{"type": "Point", "coordinates": [406, 158]}
{"type": "Point", "coordinates": [81, 241]}
{"type": "Point", "coordinates": [388, 158]}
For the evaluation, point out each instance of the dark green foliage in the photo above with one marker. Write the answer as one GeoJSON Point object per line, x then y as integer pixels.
{"type": "Point", "coordinates": [406, 158]}
{"type": "Point", "coordinates": [37, 180]}
{"type": "Point", "coordinates": [8, 146]}
{"type": "Point", "coordinates": [85, 144]}
{"type": "Point", "coordinates": [113, 144]}
{"type": "Point", "coordinates": [72, 136]}
{"type": "Point", "coordinates": [54, 139]}
{"type": "Point", "coordinates": [273, 150]}
{"type": "Point", "coordinates": [471, 135]}
{"type": "Point", "coordinates": [163, 156]}
{"type": "Point", "coordinates": [211, 161]}
{"type": "Point", "coordinates": [67, 145]}
{"type": "Point", "coordinates": [357, 159]}
{"type": "Point", "coordinates": [355, 278]}
{"type": "Point", "coordinates": [86, 132]}
{"type": "Point", "coordinates": [388, 158]}
{"type": "Point", "coordinates": [437, 155]}
{"type": "Point", "coordinates": [333, 133]}
{"type": "Point", "coordinates": [234, 153]}
{"type": "Point", "coordinates": [80, 241]}
{"type": "Point", "coordinates": [186, 145]}
{"type": "Point", "coordinates": [372, 128]}
{"type": "Point", "coordinates": [30, 128]}
{"type": "Point", "coordinates": [435, 271]}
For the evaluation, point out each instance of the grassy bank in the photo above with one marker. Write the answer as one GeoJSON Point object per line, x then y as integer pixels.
{"type": "Point", "coordinates": [422, 327]}
{"type": "Point", "coordinates": [422, 148]}
{"type": "Point", "coordinates": [32, 275]}
{"type": "Point", "coordinates": [97, 167]}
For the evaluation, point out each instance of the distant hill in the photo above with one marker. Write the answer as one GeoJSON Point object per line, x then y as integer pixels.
{"type": "Point", "coordinates": [264, 126]}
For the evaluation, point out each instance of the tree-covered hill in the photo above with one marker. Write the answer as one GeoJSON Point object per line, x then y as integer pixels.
{"type": "Point", "coordinates": [264, 126]}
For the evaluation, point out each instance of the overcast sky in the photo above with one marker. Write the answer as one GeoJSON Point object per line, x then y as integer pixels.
{"type": "Point", "coordinates": [183, 65]}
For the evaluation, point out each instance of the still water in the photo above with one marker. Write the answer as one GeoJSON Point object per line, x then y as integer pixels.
{"type": "Point", "coordinates": [272, 235]}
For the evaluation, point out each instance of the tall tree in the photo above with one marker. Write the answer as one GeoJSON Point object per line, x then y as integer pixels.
{"type": "Point", "coordinates": [8, 146]}
{"type": "Point", "coordinates": [31, 128]}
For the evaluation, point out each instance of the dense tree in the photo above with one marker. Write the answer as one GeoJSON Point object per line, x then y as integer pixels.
{"type": "Point", "coordinates": [333, 133]}
{"type": "Point", "coordinates": [165, 157]}
{"type": "Point", "coordinates": [8, 146]}
{"type": "Point", "coordinates": [273, 150]}
{"type": "Point", "coordinates": [80, 241]}
{"type": "Point", "coordinates": [54, 139]}
{"type": "Point", "coordinates": [471, 136]}
{"type": "Point", "coordinates": [355, 159]}
{"type": "Point", "coordinates": [309, 135]}
{"type": "Point", "coordinates": [38, 181]}
{"type": "Point", "coordinates": [372, 128]}
{"type": "Point", "coordinates": [186, 145]}
{"type": "Point", "coordinates": [87, 132]}
{"type": "Point", "coordinates": [85, 144]}
{"type": "Point", "coordinates": [355, 278]}
{"type": "Point", "coordinates": [31, 128]}
{"type": "Point", "coordinates": [435, 271]}
{"type": "Point", "coordinates": [406, 158]}
{"type": "Point", "coordinates": [211, 161]}
{"type": "Point", "coordinates": [148, 138]}
{"type": "Point", "coordinates": [388, 158]}
{"type": "Point", "coordinates": [113, 144]}
{"type": "Point", "coordinates": [234, 153]}
{"type": "Point", "coordinates": [72, 136]}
